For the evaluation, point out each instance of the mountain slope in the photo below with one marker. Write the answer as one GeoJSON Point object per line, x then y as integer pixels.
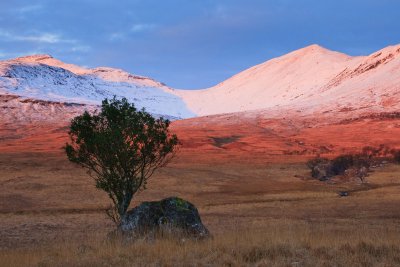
{"type": "Point", "coordinates": [43, 78]}
{"type": "Point", "coordinates": [309, 80]}
{"type": "Point", "coordinates": [311, 101]}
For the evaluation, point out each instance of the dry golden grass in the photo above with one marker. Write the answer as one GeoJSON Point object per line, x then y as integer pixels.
{"type": "Point", "coordinates": [260, 215]}
{"type": "Point", "coordinates": [276, 243]}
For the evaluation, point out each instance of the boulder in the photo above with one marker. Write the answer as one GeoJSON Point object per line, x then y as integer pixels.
{"type": "Point", "coordinates": [171, 214]}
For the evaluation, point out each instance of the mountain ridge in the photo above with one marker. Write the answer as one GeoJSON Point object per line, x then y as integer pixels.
{"type": "Point", "coordinates": [308, 80]}
{"type": "Point", "coordinates": [302, 79]}
{"type": "Point", "coordinates": [42, 77]}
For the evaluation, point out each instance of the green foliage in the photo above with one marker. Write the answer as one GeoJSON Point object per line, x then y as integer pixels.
{"type": "Point", "coordinates": [121, 147]}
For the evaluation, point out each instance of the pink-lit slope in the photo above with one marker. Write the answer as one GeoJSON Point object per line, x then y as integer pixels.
{"type": "Point", "coordinates": [309, 80]}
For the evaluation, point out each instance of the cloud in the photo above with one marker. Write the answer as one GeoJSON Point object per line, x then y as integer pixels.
{"type": "Point", "coordinates": [81, 48]}
{"type": "Point", "coordinates": [29, 9]}
{"type": "Point", "coordinates": [3, 55]}
{"type": "Point", "coordinates": [136, 28]}
{"type": "Point", "coordinates": [19, 54]}
{"type": "Point", "coordinates": [142, 27]}
{"type": "Point", "coordinates": [116, 36]}
{"type": "Point", "coordinates": [49, 38]}
{"type": "Point", "coordinates": [41, 38]}
{"type": "Point", "coordinates": [219, 12]}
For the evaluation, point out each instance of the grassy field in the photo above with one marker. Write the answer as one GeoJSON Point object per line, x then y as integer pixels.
{"type": "Point", "coordinates": [260, 214]}
{"type": "Point", "coordinates": [267, 243]}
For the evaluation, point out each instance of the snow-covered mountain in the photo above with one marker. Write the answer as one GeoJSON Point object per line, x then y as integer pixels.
{"type": "Point", "coordinates": [42, 77]}
{"type": "Point", "coordinates": [312, 80]}
{"type": "Point", "coordinates": [309, 80]}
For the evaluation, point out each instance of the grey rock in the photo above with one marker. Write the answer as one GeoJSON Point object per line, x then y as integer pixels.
{"type": "Point", "coordinates": [171, 214]}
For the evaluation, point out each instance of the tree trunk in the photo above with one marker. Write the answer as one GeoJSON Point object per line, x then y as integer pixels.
{"type": "Point", "coordinates": [124, 205]}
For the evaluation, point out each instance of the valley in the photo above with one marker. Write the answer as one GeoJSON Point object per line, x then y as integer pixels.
{"type": "Point", "coordinates": [242, 161]}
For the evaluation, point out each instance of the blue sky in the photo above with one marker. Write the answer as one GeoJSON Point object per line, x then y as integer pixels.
{"type": "Point", "coordinates": [193, 43]}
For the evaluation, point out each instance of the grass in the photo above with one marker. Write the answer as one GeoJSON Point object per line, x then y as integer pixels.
{"type": "Point", "coordinates": [259, 214]}
{"type": "Point", "coordinates": [277, 243]}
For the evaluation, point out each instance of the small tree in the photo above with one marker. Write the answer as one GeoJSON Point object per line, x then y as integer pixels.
{"type": "Point", "coordinates": [121, 147]}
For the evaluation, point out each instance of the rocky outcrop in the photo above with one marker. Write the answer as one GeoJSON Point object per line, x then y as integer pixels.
{"type": "Point", "coordinates": [171, 214]}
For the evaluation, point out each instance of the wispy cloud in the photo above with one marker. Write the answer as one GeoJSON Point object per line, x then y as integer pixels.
{"type": "Point", "coordinates": [4, 55]}
{"type": "Point", "coordinates": [29, 9]}
{"type": "Point", "coordinates": [42, 38]}
{"type": "Point", "coordinates": [116, 36]}
{"type": "Point", "coordinates": [81, 48]}
{"type": "Point", "coordinates": [49, 38]}
{"type": "Point", "coordinates": [134, 29]}
{"type": "Point", "coordinates": [142, 27]}
{"type": "Point", "coordinates": [219, 11]}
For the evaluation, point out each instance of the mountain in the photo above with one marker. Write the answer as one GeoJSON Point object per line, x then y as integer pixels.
{"type": "Point", "coordinates": [311, 101]}
{"type": "Point", "coordinates": [45, 79]}
{"type": "Point", "coordinates": [312, 81]}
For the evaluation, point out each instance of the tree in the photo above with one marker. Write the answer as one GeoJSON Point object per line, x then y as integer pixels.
{"type": "Point", "coordinates": [121, 147]}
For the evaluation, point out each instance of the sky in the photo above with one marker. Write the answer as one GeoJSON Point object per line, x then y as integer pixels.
{"type": "Point", "coordinates": [192, 44]}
